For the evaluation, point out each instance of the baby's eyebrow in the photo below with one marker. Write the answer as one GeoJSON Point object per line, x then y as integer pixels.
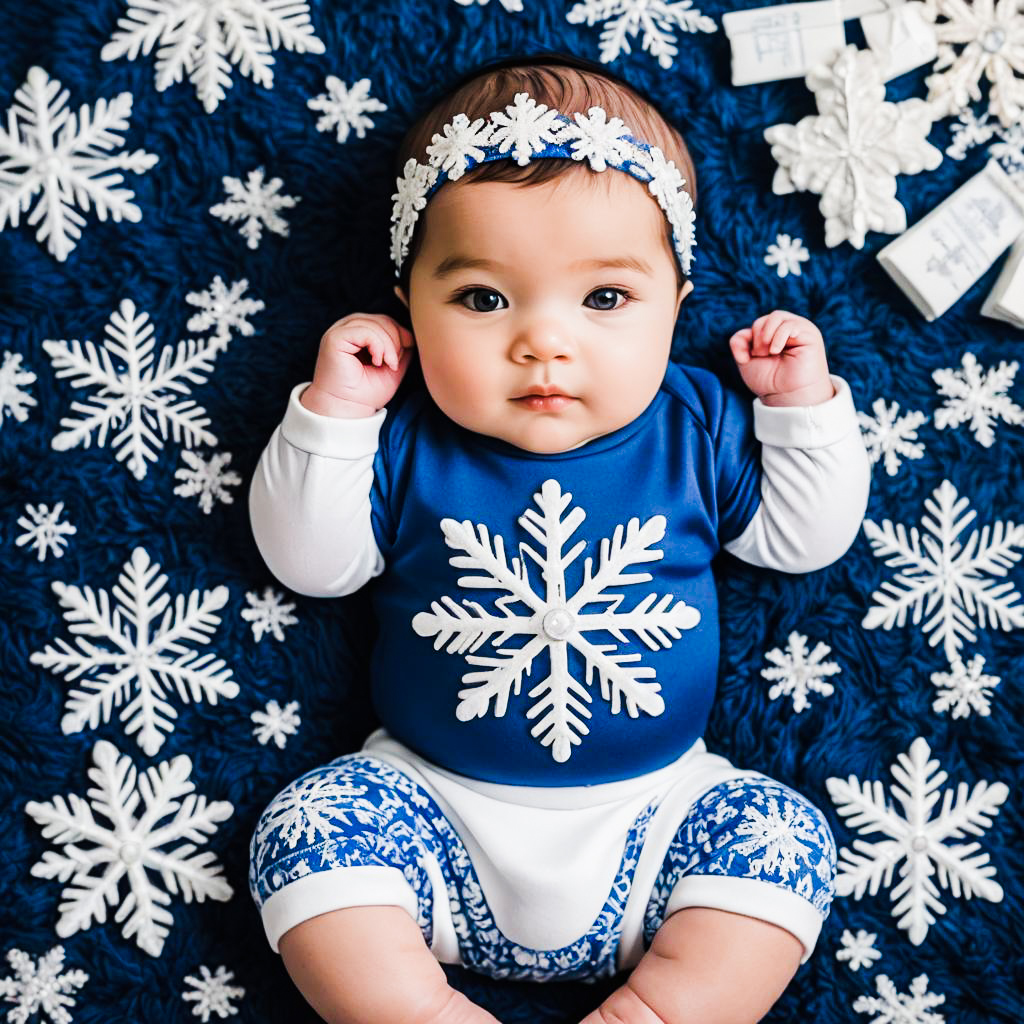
{"type": "Point", "coordinates": [451, 264]}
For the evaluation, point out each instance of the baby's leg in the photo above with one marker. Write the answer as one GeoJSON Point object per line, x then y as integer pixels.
{"type": "Point", "coordinates": [370, 965]}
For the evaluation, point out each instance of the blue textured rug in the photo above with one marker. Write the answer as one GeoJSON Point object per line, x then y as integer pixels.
{"type": "Point", "coordinates": [159, 587]}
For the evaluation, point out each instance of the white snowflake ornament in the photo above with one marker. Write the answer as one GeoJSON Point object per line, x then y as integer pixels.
{"type": "Point", "coordinates": [276, 723]}
{"type": "Point", "coordinates": [890, 437]}
{"type": "Point", "coordinates": [894, 1007]}
{"type": "Point", "coordinates": [44, 531]}
{"type": "Point", "coordinates": [852, 150]}
{"type": "Point", "coordinates": [42, 987]}
{"type": "Point", "coordinates": [13, 400]}
{"type": "Point", "coordinates": [131, 846]}
{"type": "Point", "coordinates": [210, 480]}
{"type": "Point", "coordinates": [345, 109]}
{"type": "Point", "coordinates": [858, 950]}
{"type": "Point", "coordinates": [256, 204]}
{"type": "Point", "coordinates": [156, 659]}
{"type": "Point", "coordinates": [224, 309]}
{"type": "Point", "coordinates": [964, 689]}
{"type": "Point", "coordinates": [268, 614]}
{"type": "Point", "coordinates": [796, 673]}
{"type": "Point", "coordinates": [212, 994]}
{"type": "Point", "coordinates": [977, 398]}
{"type": "Point", "coordinates": [786, 254]}
{"type": "Point", "coordinates": [969, 131]}
{"type": "Point", "coordinates": [67, 158]}
{"type": "Point", "coordinates": [509, 5]}
{"type": "Point", "coordinates": [917, 840]}
{"type": "Point", "coordinates": [554, 621]}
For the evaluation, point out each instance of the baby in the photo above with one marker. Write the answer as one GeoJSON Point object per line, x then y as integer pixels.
{"type": "Point", "coordinates": [537, 507]}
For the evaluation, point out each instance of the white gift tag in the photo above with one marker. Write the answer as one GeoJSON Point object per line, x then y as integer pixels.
{"type": "Point", "coordinates": [1006, 300]}
{"type": "Point", "coordinates": [902, 39]}
{"type": "Point", "coordinates": [938, 259]}
{"type": "Point", "coordinates": [771, 43]}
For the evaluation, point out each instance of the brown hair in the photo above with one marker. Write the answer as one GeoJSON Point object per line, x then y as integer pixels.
{"type": "Point", "coordinates": [563, 82]}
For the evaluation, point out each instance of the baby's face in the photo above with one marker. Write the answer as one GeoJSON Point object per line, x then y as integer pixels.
{"type": "Point", "coordinates": [535, 310]}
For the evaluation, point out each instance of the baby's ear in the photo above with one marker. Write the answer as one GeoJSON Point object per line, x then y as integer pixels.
{"type": "Point", "coordinates": [401, 296]}
{"type": "Point", "coordinates": [683, 292]}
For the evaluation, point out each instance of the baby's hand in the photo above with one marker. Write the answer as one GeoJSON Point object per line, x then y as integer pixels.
{"type": "Point", "coordinates": [781, 358]}
{"type": "Point", "coordinates": [362, 360]}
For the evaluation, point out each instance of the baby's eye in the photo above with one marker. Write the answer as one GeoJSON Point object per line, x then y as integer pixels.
{"type": "Point", "coordinates": [605, 295]}
{"type": "Point", "coordinates": [486, 307]}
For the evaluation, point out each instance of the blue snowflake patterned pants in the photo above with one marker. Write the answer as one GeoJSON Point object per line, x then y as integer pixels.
{"type": "Point", "coordinates": [750, 845]}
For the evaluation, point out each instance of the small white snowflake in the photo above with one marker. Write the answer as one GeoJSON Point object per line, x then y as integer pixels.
{"type": "Point", "coordinates": [268, 614]}
{"type": "Point", "coordinates": [43, 531]}
{"type": "Point", "coordinates": [256, 204]}
{"type": "Point", "coordinates": [1009, 151]}
{"type": "Point", "coordinates": [410, 198]}
{"type": "Point", "coordinates": [212, 993]}
{"type": "Point", "coordinates": [797, 672]}
{"type": "Point", "coordinates": [786, 254]}
{"type": "Point", "coordinates": [969, 130]}
{"type": "Point", "coordinates": [889, 436]}
{"type": "Point", "coordinates": [344, 108]}
{"type": "Point", "coordinates": [524, 127]}
{"type": "Point", "coordinates": [625, 18]}
{"type": "Point", "coordinates": [276, 723]}
{"type": "Point", "coordinates": [209, 480]}
{"type": "Point", "coordinates": [859, 950]}
{"type": "Point", "coordinates": [13, 401]}
{"type": "Point", "coordinates": [895, 1007]}
{"type": "Point", "coordinates": [978, 398]}
{"type": "Point", "coordinates": [67, 158]}
{"type": "Point", "coordinates": [224, 309]}
{"type": "Point", "coordinates": [964, 688]}
{"type": "Point", "coordinates": [461, 142]}
{"type": "Point", "coordinates": [40, 987]}
{"type": "Point", "coordinates": [509, 5]}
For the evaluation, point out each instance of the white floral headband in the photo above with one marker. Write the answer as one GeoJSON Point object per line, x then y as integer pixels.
{"type": "Point", "coordinates": [531, 131]}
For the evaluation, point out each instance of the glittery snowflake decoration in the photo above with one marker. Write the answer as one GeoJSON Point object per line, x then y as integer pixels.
{"type": "Point", "coordinates": [786, 254]}
{"type": "Point", "coordinates": [890, 437]}
{"type": "Point", "coordinates": [212, 994]}
{"type": "Point", "coordinates": [852, 150]}
{"type": "Point", "coordinates": [796, 673]}
{"type": "Point", "coordinates": [44, 531]}
{"type": "Point", "coordinates": [276, 723]}
{"type": "Point", "coordinates": [68, 159]}
{"type": "Point", "coordinates": [268, 614]}
{"type": "Point", "coordinates": [41, 987]}
{"type": "Point", "coordinates": [224, 309]}
{"type": "Point", "coordinates": [203, 40]}
{"type": "Point", "coordinates": [977, 398]}
{"type": "Point", "coordinates": [624, 19]}
{"type": "Point", "coordinates": [138, 848]}
{"type": "Point", "coordinates": [13, 400]}
{"type": "Point", "coordinates": [555, 621]}
{"type": "Point", "coordinates": [858, 950]}
{"type": "Point", "coordinates": [917, 841]}
{"type": "Point", "coordinates": [345, 109]}
{"type": "Point", "coordinates": [256, 204]}
{"type": "Point", "coordinates": [943, 578]}
{"type": "Point", "coordinates": [965, 688]}
{"type": "Point", "coordinates": [210, 480]}
{"type": "Point", "coordinates": [894, 1007]}
{"type": "Point", "coordinates": [156, 659]}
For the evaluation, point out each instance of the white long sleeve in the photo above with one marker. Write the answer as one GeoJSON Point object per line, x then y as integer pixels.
{"type": "Point", "coordinates": [814, 487]}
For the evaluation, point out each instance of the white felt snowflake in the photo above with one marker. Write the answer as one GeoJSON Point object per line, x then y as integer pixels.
{"type": "Point", "coordinates": [268, 614]}
{"type": "Point", "coordinates": [625, 18]}
{"type": "Point", "coordinates": [858, 950]}
{"type": "Point", "coordinates": [276, 723]}
{"type": "Point", "coordinates": [223, 308]}
{"type": "Point", "coordinates": [13, 400]}
{"type": "Point", "coordinates": [852, 150]}
{"type": "Point", "coordinates": [891, 437]}
{"type": "Point", "coordinates": [969, 131]}
{"type": "Point", "coordinates": [991, 33]}
{"type": "Point", "coordinates": [44, 531]}
{"type": "Point", "coordinates": [210, 480]}
{"type": "Point", "coordinates": [67, 157]}
{"type": "Point", "coordinates": [918, 840]}
{"type": "Point", "coordinates": [410, 198]}
{"type": "Point", "coordinates": [203, 38]}
{"type": "Point", "coordinates": [509, 5]}
{"type": "Point", "coordinates": [524, 126]}
{"type": "Point", "coordinates": [895, 1007]}
{"type": "Point", "coordinates": [555, 621]}
{"type": "Point", "coordinates": [40, 987]}
{"type": "Point", "coordinates": [965, 688]}
{"type": "Point", "coordinates": [256, 203]}
{"type": "Point", "coordinates": [345, 109]}
{"type": "Point", "coordinates": [977, 398]}
{"type": "Point", "coordinates": [1009, 151]}
{"type": "Point", "coordinates": [786, 255]}
{"type": "Point", "coordinates": [212, 993]}
{"type": "Point", "coordinates": [943, 578]}
{"type": "Point", "coordinates": [131, 844]}
{"type": "Point", "coordinates": [796, 672]}
{"type": "Point", "coordinates": [457, 143]}
{"type": "Point", "coordinates": [155, 659]}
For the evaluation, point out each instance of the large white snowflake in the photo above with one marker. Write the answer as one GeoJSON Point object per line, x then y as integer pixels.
{"type": "Point", "coordinates": [345, 109]}
{"type": "Point", "coordinates": [256, 203]}
{"type": "Point", "coordinates": [943, 578]}
{"type": "Point", "coordinates": [43, 530]}
{"type": "Point", "coordinates": [130, 845]}
{"type": "Point", "coordinates": [964, 689]}
{"type": "Point", "coordinates": [42, 986]}
{"type": "Point", "coordinates": [210, 480]}
{"type": "Point", "coordinates": [223, 308]}
{"type": "Point", "coordinates": [67, 157]}
{"type": "Point", "coordinates": [625, 18]}
{"type": "Point", "coordinates": [796, 672]}
{"type": "Point", "coordinates": [918, 840]}
{"type": "Point", "coordinates": [977, 398]}
{"type": "Point", "coordinates": [890, 437]}
{"type": "Point", "coordinates": [202, 38]}
{"type": "Point", "coordinates": [212, 994]}
{"type": "Point", "coordinates": [13, 377]}
{"type": "Point", "coordinates": [154, 660]}
{"type": "Point", "coordinates": [991, 33]}
{"type": "Point", "coordinates": [554, 621]}
{"type": "Point", "coordinates": [895, 1007]}
{"type": "Point", "coordinates": [852, 150]}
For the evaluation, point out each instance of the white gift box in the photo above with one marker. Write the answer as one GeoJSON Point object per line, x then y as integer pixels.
{"type": "Point", "coordinates": [901, 37]}
{"type": "Point", "coordinates": [770, 43]}
{"type": "Point", "coordinates": [940, 257]}
{"type": "Point", "coordinates": [1006, 300]}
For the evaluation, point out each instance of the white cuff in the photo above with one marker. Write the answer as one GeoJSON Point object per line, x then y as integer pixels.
{"type": "Point", "coordinates": [807, 426]}
{"type": "Point", "coordinates": [333, 437]}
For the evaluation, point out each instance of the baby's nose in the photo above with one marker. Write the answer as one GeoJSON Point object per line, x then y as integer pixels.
{"type": "Point", "coordinates": [543, 339]}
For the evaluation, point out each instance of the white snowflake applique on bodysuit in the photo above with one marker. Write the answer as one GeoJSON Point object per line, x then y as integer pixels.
{"type": "Point", "coordinates": [555, 621]}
